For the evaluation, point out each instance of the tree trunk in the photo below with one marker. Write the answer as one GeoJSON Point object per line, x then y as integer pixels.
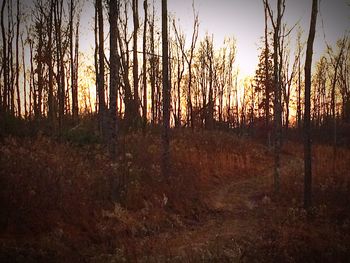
{"type": "Point", "coordinates": [73, 70]}
{"type": "Point", "coordinates": [96, 57]}
{"type": "Point", "coordinates": [153, 70]}
{"type": "Point", "coordinates": [101, 75]}
{"type": "Point", "coordinates": [4, 59]}
{"type": "Point", "coordinates": [267, 80]}
{"type": "Point", "coordinates": [51, 111]}
{"type": "Point", "coordinates": [17, 63]}
{"type": "Point", "coordinates": [299, 84]}
{"type": "Point", "coordinates": [166, 90]}
{"type": "Point", "coordinates": [145, 7]}
{"type": "Point", "coordinates": [24, 80]}
{"type": "Point", "coordinates": [307, 131]}
{"type": "Point", "coordinates": [135, 6]}
{"type": "Point", "coordinates": [277, 98]}
{"type": "Point", "coordinates": [114, 75]}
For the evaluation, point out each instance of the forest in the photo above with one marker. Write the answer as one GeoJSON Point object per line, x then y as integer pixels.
{"type": "Point", "coordinates": [152, 146]}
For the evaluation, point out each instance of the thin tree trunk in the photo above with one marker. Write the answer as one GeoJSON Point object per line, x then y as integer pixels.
{"type": "Point", "coordinates": [114, 75]}
{"type": "Point", "coordinates": [277, 93]}
{"type": "Point", "coordinates": [145, 7]}
{"type": "Point", "coordinates": [4, 59]}
{"type": "Point", "coordinates": [101, 81]}
{"type": "Point", "coordinates": [96, 57]}
{"type": "Point", "coordinates": [31, 80]}
{"type": "Point", "coordinates": [152, 69]}
{"type": "Point", "coordinates": [299, 84]}
{"type": "Point", "coordinates": [72, 65]}
{"type": "Point", "coordinates": [17, 63]}
{"type": "Point", "coordinates": [76, 66]}
{"type": "Point", "coordinates": [135, 59]}
{"type": "Point", "coordinates": [51, 111]}
{"type": "Point", "coordinates": [267, 78]}
{"type": "Point", "coordinates": [166, 90]}
{"type": "Point", "coordinates": [307, 130]}
{"type": "Point", "coordinates": [24, 80]}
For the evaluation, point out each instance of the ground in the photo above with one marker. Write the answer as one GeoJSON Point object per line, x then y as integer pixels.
{"type": "Point", "coordinates": [68, 201]}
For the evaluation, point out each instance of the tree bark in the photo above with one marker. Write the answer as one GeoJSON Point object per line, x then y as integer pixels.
{"type": "Point", "coordinates": [24, 80]}
{"type": "Point", "coordinates": [73, 70]}
{"type": "Point", "coordinates": [307, 130]}
{"type": "Point", "coordinates": [166, 90]}
{"type": "Point", "coordinates": [4, 59]}
{"type": "Point", "coordinates": [267, 76]}
{"type": "Point", "coordinates": [135, 6]}
{"type": "Point", "coordinates": [51, 111]}
{"type": "Point", "coordinates": [145, 7]}
{"type": "Point", "coordinates": [114, 75]}
{"type": "Point", "coordinates": [277, 92]}
{"type": "Point", "coordinates": [17, 62]}
{"type": "Point", "coordinates": [101, 73]}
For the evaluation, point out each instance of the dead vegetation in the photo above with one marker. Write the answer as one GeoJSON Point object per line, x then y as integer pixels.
{"type": "Point", "coordinates": [59, 202]}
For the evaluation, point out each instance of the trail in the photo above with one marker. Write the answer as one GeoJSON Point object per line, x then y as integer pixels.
{"type": "Point", "coordinates": [236, 206]}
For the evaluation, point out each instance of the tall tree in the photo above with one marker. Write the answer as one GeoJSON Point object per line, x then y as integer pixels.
{"type": "Point", "coordinates": [114, 74]}
{"type": "Point", "coordinates": [144, 70]}
{"type": "Point", "coordinates": [101, 71]}
{"type": "Point", "coordinates": [4, 59]}
{"type": "Point", "coordinates": [60, 50]}
{"type": "Point", "coordinates": [267, 75]}
{"type": "Point", "coordinates": [24, 80]}
{"type": "Point", "coordinates": [17, 60]}
{"type": "Point", "coordinates": [300, 47]}
{"type": "Point", "coordinates": [307, 130]}
{"type": "Point", "coordinates": [51, 111]}
{"type": "Point", "coordinates": [189, 60]}
{"type": "Point", "coordinates": [39, 59]}
{"type": "Point", "coordinates": [153, 69]}
{"type": "Point", "coordinates": [166, 90]}
{"type": "Point", "coordinates": [336, 63]}
{"type": "Point", "coordinates": [277, 89]}
{"type": "Point", "coordinates": [73, 69]}
{"type": "Point", "coordinates": [135, 6]}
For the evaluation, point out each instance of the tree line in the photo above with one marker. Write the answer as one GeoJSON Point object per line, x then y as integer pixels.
{"type": "Point", "coordinates": [148, 74]}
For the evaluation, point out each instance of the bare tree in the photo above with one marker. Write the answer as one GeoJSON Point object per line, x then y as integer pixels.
{"type": "Point", "coordinates": [135, 5]}
{"type": "Point", "coordinates": [24, 80]}
{"type": "Point", "coordinates": [114, 74]}
{"type": "Point", "coordinates": [189, 60]}
{"type": "Point", "coordinates": [336, 62]}
{"type": "Point", "coordinates": [267, 75]}
{"type": "Point", "coordinates": [307, 130]}
{"type": "Point", "coordinates": [4, 59]}
{"type": "Point", "coordinates": [179, 58]}
{"type": "Point", "coordinates": [73, 69]}
{"type": "Point", "coordinates": [145, 7]}
{"type": "Point", "coordinates": [153, 69]}
{"type": "Point", "coordinates": [101, 72]}
{"type": "Point", "coordinates": [277, 89]}
{"type": "Point", "coordinates": [300, 48]}
{"type": "Point", "coordinates": [166, 90]}
{"type": "Point", "coordinates": [17, 60]}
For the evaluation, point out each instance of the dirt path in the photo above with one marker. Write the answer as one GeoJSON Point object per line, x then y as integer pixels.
{"type": "Point", "coordinates": [236, 213]}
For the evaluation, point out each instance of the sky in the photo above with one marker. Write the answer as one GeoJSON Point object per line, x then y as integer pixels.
{"type": "Point", "coordinates": [244, 20]}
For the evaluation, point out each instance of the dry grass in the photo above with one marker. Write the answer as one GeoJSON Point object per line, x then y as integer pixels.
{"type": "Point", "coordinates": [61, 200]}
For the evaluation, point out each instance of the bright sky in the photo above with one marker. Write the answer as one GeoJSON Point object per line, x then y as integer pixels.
{"type": "Point", "coordinates": [244, 19]}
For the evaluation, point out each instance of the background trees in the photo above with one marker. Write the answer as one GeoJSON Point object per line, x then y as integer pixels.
{"type": "Point", "coordinates": [41, 59]}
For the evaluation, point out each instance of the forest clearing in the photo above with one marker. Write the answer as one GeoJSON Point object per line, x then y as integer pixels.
{"type": "Point", "coordinates": [174, 131]}
{"type": "Point", "coordinates": [217, 206]}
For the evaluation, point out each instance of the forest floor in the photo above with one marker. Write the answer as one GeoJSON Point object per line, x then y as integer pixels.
{"type": "Point", "coordinates": [59, 202]}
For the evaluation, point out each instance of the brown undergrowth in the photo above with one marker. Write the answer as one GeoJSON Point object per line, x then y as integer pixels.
{"type": "Point", "coordinates": [65, 202]}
